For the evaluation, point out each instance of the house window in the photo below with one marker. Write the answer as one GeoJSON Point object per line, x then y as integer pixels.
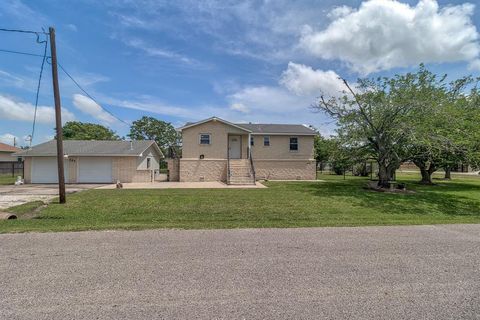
{"type": "Point", "coordinates": [293, 144]}
{"type": "Point", "coordinates": [266, 141]}
{"type": "Point", "coordinates": [149, 163]}
{"type": "Point", "coordinates": [251, 141]}
{"type": "Point", "coordinates": [204, 138]}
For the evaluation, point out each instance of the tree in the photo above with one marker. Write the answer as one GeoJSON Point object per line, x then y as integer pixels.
{"type": "Point", "coordinates": [439, 122]}
{"type": "Point", "coordinates": [149, 128]}
{"type": "Point", "coordinates": [323, 149]}
{"type": "Point", "coordinates": [75, 130]}
{"type": "Point", "coordinates": [370, 119]}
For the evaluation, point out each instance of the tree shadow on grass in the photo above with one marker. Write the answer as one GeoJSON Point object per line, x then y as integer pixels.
{"type": "Point", "coordinates": [439, 199]}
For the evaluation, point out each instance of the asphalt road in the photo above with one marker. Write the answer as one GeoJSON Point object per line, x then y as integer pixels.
{"type": "Point", "coordinates": [418, 272]}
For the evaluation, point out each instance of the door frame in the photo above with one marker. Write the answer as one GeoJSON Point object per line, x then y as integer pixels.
{"type": "Point", "coordinates": [240, 145]}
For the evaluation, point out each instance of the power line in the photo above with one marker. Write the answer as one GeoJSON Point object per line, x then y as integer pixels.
{"type": "Point", "coordinates": [88, 95]}
{"type": "Point", "coordinates": [23, 31]}
{"type": "Point", "coordinates": [23, 53]}
{"type": "Point", "coordinates": [45, 57]}
{"type": "Point", "coordinates": [38, 88]}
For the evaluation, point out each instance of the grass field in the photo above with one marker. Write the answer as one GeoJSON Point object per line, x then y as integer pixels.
{"type": "Point", "coordinates": [330, 202]}
{"type": "Point", "coordinates": [6, 179]}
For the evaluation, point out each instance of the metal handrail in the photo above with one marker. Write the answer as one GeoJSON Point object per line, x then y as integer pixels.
{"type": "Point", "coordinates": [251, 164]}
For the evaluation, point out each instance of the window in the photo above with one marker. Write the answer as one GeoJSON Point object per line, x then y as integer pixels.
{"type": "Point", "coordinates": [149, 160]}
{"type": "Point", "coordinates": [204, 138]}
{"type": "Point", "coordinates": [293, 144]}
{"type": "Point", "coordinates": [266, 141]}
{"type": "Point", "coordinates": [251, 141]}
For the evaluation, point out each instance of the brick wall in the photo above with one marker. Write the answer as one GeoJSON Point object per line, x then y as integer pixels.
{"type": "Point", "coordinates": [284, 170]}
{"type": "Point", "coordinates": [124, 169]}
{"type": "Point", "coordinates": [203, 170]}
{"type": "Point", "coordinates": [173, 169]}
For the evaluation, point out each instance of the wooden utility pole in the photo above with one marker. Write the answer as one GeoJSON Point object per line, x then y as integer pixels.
{"type": "Point", "coordinates": [58, 117]}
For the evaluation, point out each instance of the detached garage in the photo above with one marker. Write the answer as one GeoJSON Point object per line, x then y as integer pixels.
{"type": "Point", "coordinates": [93, 161]}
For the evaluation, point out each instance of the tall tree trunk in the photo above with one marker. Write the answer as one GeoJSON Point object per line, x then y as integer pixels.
{"type": "Point", "coordinates": [385, 175]}
{"type": "Point", "coordinates": [426, 176]}
{"type": "Point", "coordinates": [448, 173]}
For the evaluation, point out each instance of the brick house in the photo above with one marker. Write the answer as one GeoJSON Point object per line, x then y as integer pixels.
{"type": "Point", "coordinates": [217, 150]}
{"type": "Point", "coordinates": [93, 161]}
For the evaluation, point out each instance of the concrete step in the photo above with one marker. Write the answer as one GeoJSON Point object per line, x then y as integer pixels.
{"type": "Point", "coordinates": [241, 182]}
{"type": "Point", "coordinates": [239, 170]}
{"type": "Point", "coordinates": [241, 179]}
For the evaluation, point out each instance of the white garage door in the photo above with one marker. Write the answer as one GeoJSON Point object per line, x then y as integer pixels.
{"type": "Point", "coordinates": [94, 170]}
{"type": "Point", "coordinates": [44, 170]}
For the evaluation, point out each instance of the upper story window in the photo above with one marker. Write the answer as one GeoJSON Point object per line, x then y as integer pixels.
{"type": "Point", "coordinates": [149, 163]}
{"type": "Point", "coordinates": [251, 141]}
{"type": "Point", "coordinates": [204, 138]}
{"type": "Point", "coordinates": [293, 144]}
{"type": "Point", "coordinates": [266, 141]}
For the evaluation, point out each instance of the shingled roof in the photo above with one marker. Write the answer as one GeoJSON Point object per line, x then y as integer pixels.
{"type": "Point", "coordinates": [259, 128]}
{"type": "Point", "coordinates": [8, 148]}
{"type": "Point", "coordinates": [91, 148]}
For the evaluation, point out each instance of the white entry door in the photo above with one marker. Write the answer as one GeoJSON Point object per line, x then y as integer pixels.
{"type": "Point", "coordinates": [45, 170]}
{"type": "Point", "coordinates": [234, 147]}
{"type": "Point", "coordinates": [94, 170]}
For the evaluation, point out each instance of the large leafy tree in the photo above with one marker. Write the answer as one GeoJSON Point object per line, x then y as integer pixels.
{"type": "Point", "coordinates": [439, 122]}
{"type": "Point", "coordinates": [371, 121]}
{"type": "Point", "coordinates": [149, 128]}
{"type": "Point", "coordinates": [75, 130]}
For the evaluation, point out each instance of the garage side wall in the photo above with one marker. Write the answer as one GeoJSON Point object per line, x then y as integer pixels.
{"type": "Point", "coordinates": [124, 169]}
{"type": "Point", "coordinates": [72, 170]}
{"type": "Point", "coordinates": [27, 169]}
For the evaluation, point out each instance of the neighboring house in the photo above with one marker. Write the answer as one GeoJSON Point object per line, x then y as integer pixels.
{"type": "Point", "coordinates": [93, 161]}
{"type": "Point", "coordinates": [6, 152]}
{"type": "Point", "coordinates": [218, 150]}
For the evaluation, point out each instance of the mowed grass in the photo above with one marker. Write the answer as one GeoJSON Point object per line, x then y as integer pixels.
{"type": "Point", "coordinates": [331, 202]}
{"type": "Point", "coordinates": [6, 179]}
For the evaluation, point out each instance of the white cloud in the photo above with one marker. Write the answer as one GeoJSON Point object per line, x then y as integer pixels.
{"type": "Point", "coordinates": [71, 27]}
{"type": "Point", "coordinates": [11, 109]}
{"type": "Point", "coordinates": [160, 52]}
{"type": "Point", "coordinates": [474, 65]}
{"type": "Point", "coordinates": [8, 138]}
{"type": "Point", "coordinates": [262, 30]}
{"type": "Point", "coordinates": [381, 35]}
{"type": "Point", "coordinates": [303, 80]}
{"type": "Point", "coordinates": [240, 107]}
{"type": "Point", "coordinates": [90, 107]}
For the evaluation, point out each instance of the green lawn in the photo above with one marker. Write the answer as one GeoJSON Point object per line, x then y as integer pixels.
{"type": "Point", "coordinates": [333, 202]}
{"type": "Point", "coordinates": [7, 179]}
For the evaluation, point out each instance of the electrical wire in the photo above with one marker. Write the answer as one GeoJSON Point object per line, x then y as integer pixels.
{"type": "Point", "coordinates": [65, 71]}
{"type": "Point", "coordinates": [38, 88]}
{"type": "Point", "coordinates": [23, 53]}
{"type": "Point", "coordinates": [88, 95]}
{"type": "Point", "coordinates": [24, 31]}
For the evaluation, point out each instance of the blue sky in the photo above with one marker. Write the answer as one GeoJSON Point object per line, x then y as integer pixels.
{"type": "Point", "coordinates": [185, 60]}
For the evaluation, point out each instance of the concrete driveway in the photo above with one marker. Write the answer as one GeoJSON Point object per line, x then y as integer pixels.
{"type": "Point", "coordinates": [418, 272]}
{"type": "Point", "coordinates": [11, 195]}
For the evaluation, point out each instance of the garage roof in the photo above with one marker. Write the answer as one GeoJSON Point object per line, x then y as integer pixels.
{"type": "Point", "coordinates": [91, 148]}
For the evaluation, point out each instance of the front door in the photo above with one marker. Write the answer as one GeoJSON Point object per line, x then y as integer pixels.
{"type": "Point", "coordinates": [234, 147]}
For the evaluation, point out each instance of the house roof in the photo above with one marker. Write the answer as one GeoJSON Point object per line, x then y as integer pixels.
{"type": "Point", "coordinates": [8, 148]}
{"type": "Point", "coordinates": [192, 124]}
{"type": "Point", "coordinates": [91, 148]}
{"type": "Point", "coordinates": [259, 128]}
